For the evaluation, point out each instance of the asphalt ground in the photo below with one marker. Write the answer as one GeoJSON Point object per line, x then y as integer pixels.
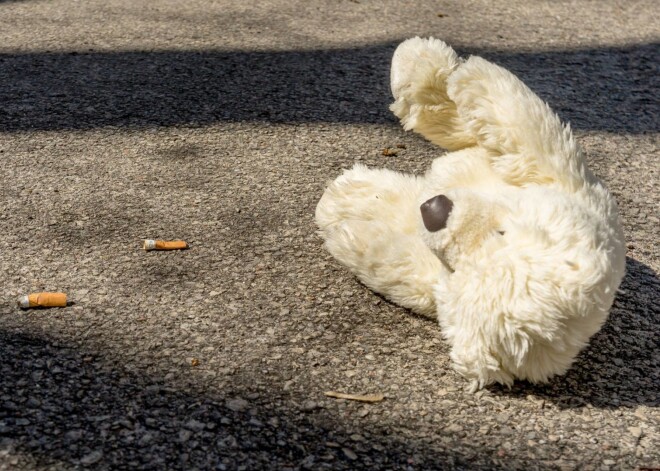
{"type": "Point", "coordinates": [220, 123]}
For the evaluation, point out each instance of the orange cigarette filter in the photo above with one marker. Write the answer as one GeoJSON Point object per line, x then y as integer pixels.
{"type": "Point", "coordinates": [42, 300]}
{"type": "Point", "coordinates": [151, 244]}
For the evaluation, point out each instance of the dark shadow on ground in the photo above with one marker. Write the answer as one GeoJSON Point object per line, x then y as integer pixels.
{"type": "Point", "coordinates": [65, 408]}
{"type": "Point", "coordinates": [607, 89]}
{"type": "Point", "coordinates": [620, 367]}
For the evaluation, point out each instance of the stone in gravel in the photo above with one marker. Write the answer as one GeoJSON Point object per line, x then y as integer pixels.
{"type": "Point", "coordinates": [73, 435]}
{"type": "Point", "coordinates": [32, 402]}
{"type": "Point", "coordinates": [309, 406]}
{"type": "Point", "coordinates": [237, 404]}
{"type": "Point", "coordinates": [92, 458]}
{"type": "Point", "coordinates": [195, 425]}
{"type": "Point", "coordinates": [274, 421]}
{"type": "Point", "coordinates": [453, 428]}
{"type": "Point", "coordinates": [308, 462]}
{"type": "Point", "coordinates": [150, 422]}
{"type": "Point", "coordinates": [503, 418]}
{"type": "Point", "coordinates": [184, 435]}
{"type": "Point", "coordinates": [350, 454]}
{"type": "Point", "coordinates": [228, 442]}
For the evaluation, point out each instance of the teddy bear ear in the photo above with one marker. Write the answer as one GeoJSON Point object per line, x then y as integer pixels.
{"type": "Point", "coordinates": [435, 212]}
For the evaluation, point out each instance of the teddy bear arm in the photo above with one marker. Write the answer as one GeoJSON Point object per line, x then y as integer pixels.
{"type": "Point", "coordinates": [419, 72]}
{"type": "Point", "coordinates": [365, 194]}
{"type": "Point", "coordinates": [396, 265]}
{"type": "Point", "coordinates": [370, 221]}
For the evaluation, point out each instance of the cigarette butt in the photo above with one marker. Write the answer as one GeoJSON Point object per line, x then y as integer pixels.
{"type": "Point", "coordinates": [42, 300]}
{"type": "Point", "coordinates": [151, 244]}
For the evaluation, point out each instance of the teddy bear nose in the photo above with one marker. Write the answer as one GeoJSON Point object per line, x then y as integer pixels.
{"type": "Point", "coordinates": [435, 212]}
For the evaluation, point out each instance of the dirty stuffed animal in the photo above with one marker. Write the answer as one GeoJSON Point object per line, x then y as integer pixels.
{"type": "Point", "coordinates": [508, 240]}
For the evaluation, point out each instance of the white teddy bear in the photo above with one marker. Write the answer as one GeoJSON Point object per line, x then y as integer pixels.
{"type": "Point", "coordinates": [508, 240]}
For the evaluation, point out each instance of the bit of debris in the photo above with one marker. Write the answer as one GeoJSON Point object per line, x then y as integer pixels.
{"type": "Point", "coordinates": [350, 454]}
{"type": "Point", "coordinates": [356, 397]}
{"type": "Point", "coordinates": [441, 15]}
{"type": "Point", "coordinates": [194, 362]}
{"type": "Point", "coordinates": [388, 151]}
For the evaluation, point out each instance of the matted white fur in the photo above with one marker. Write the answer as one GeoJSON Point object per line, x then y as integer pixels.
{"type": "Point", "coordinates": [526, 269]}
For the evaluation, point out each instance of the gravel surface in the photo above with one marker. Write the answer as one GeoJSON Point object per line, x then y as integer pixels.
{"type": "Point", "coordinates": [220, 123]}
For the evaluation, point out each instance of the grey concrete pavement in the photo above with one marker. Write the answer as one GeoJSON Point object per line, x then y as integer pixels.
{"type": "Point", "coordinates": [220, 122]}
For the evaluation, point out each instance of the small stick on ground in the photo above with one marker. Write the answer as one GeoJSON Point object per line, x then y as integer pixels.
{"type": "Point", "coordinates": [356, 397]}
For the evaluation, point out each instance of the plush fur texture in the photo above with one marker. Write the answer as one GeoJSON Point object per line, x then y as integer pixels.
{"type": "Point", "coordinates": [527, 267]}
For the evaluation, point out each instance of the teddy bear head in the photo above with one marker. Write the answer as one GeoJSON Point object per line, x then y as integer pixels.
{"type": "Point", "coordinates": [465, 223]}
{"type": "Point", "coordinates": [459, 223]}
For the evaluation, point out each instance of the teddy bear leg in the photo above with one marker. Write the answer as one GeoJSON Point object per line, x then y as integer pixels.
{"type": "Point", "coordinates": [460, 104]}
{"type": "Point", "coordinates": [398, 266]}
